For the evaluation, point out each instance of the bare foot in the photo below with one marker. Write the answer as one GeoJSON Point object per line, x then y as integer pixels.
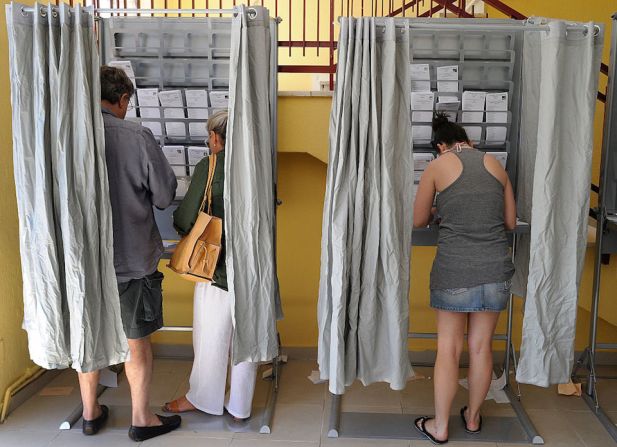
{"type": "Point", "coordinates": [180, 405]}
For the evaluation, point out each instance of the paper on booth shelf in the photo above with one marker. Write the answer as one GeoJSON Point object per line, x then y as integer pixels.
{"type": "Point", "coordinates": [173, 103]}
{"type": "Point", "coordinates": [198, 130]}
{"type": "Point", "coordinates": [496, 117]}
{"type": "Point", "coordinates": [154, 126]}
{"type": "Point", "coordinates": [417, 175]}
{"type": "Point", "coordinates": [175, 129]}
{"type": "Point", "coordinates": [474, 101]}
{"type": "Point", "coordinates": [422, 100]}
{"type": "Point", "coordinates": [450, 103]}
{"type": "Point", "coordinates": [420, 86]}
{"type": "Point", "coordinates": [197, 103]}
{"type": "Point", "coordinates": [421, 161]}
{"type": "Point", "coordinates": [420, 72]}
{"type": "Point", "coordinates": [219, 99]}
{"type": "Point", "coordinates": [472, 117]}
{"type": "Point", "coordinates": [474, 133]}
{"type": "Point", "coordinates": [421, 133]}
{"type": "Point", "coordinates": [496, 135]}
{"type": "Point", "coordinates": [421, 117]}
{"type": "Point", "coordinates": [196, 154]}
{"type": "Point", "coordinates": [447, 73]}
{"type": "Point", "coordinates": [148, 100]}
{"type": "Point", "coordinates": [502, 157]}
{"type": "Point", "coordinates": [447, 86]}
{"type": "Point", "coordinates": [497, 102]}
{"type": "Point", "coordinates": [183, 187]}
{"type": "Point", "coordinates": [175, 157]}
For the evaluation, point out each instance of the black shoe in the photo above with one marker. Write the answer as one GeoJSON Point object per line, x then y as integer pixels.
{"type": "Point", "coordinates": [170, 423]}
{"type": "Point", "coordinates": [92, 427]}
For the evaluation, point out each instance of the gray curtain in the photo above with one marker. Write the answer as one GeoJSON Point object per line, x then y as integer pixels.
{"type": "Point", "coordinates": [363, 310]}
{"type": "Point", "coordinates": [560, 83]}
{"type": "Point", "coordinates": [249, 190]}
{"type": "Point", "coordinates": [71, 304]}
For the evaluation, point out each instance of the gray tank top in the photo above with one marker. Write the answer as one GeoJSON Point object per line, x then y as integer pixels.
{"type": "Point", "coordinates": [473, 247]}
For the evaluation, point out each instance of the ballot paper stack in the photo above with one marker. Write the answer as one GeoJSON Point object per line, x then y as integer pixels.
{"type": "Point", "coordinates": [448, 88]}
{"type": "Point", "coordinates": [195, 155]}
{"type": "Point", "coordinates": [148, 100]}
{"type": "Point", "coordinates": [420, 163]}
{"type": "Point", "coordinates": [197, 107]}
{"type": "Point", "coordinates": [173, 107]}
{"type": "Point", "coordinates": [482, 107]}
{"type": "Point", "coordinates": [127, 67]}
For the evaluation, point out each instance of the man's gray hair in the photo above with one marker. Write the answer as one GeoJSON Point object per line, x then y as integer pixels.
{"type": "Point", "coordinates": [217, 123]}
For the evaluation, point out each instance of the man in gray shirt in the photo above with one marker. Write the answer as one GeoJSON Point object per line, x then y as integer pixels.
{"type": "Point", "coordinates": [139, 178]}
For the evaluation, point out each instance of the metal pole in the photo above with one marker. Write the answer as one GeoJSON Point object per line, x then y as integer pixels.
{"type": "Point", "coordinates": [506, 367]}
{"type": "Point", "coordinates": [77, 412]}
{"type": "Point", "coordinates": [334, 425]}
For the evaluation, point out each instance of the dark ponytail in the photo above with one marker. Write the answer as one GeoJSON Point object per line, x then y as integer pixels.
{"type": "Point", "coordinates": [446, 132]}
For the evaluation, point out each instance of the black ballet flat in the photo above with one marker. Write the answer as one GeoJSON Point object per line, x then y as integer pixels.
{"type": "Point", "coordinates": [169, 423]}
{"type": "Point", "coordinates": [92, 427]}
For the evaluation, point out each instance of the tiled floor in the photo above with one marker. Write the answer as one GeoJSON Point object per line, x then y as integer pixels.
{"type": "Point", "coordinates": [301, 415]}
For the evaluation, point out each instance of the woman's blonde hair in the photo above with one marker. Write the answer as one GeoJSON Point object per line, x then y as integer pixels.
{"type": "Point", "coordinates": [217, 123]}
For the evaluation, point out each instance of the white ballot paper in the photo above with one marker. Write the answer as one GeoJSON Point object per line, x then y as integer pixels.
{"type": "Point", "coordinates": [421, 117]}
{"type": "Point", "coordinates": [497, 102]}
{"type": "Point", "coordinates": [421, 133]}
{"type": "Point", "coordinates": [473, 101]}
{"type": "Point", "coordinates": [496, 135]}
{"type": "Point", "coordinates": [474, 133]}
{"type": "Point", "coordinates": [148, 103]}
{"type": "Point", "coordinates": [450, 103]}
{"type": "Point", "coordinates": [175, 129]}
{"type": "Point", "coordinates": [219, 99]}
{"type": "Point", "coordinates": [496, 117]}
{"type": "Point", "coordinates": [420, 86]}
{"type": "Point", "coordinates": [447, 86]}
{"type": "Point", "coordinates": [502, 157]}
{"type": "Point", "coordinates": [175, 157]}
{"type": "Point", "coordinates": [154, 126]}
{"type": "Point", "coordinates": [126, 66]}
{"type": "Point", "coordinates": [198, 129]}
{"type": "Point", "coordinates": [421, 161]}
{"type": "Point", "coordinates": [183, 187]}
{"type": "Point", "coordinates": [447, 73]}
{"type": "Point", "coordinates": [472, 117]}
{"type": "Point", "coordinates": [422, 100]}
{"type": "Point", "coordinates": [197, 103]}
{"type": "Point", "coordinates": [196, 154]}
{"type": "Point", "coordinates": [173, 104]}
{"type": "Point", "coordinates": [420, 72]}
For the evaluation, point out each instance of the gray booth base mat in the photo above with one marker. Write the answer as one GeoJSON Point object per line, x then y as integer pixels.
{"type": "Point", "coordinates": [400, 426]}
{"type": "Point", "coordinates": [192, 421]}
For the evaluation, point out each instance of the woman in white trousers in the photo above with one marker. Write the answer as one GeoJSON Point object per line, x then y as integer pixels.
{"type": "Point", "coordinates": [213, 304]}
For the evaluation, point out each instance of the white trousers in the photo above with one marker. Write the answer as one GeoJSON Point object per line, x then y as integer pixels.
{"type": "Point", "coordinates": [212, 333]}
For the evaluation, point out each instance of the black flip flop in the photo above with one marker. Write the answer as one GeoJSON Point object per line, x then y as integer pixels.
{"type": "Point", "coordinates": [472, 432]}
{"type": "Point", "coordinates": [93, 426]}
{"type": "Point", "coordinates": [422, 429]}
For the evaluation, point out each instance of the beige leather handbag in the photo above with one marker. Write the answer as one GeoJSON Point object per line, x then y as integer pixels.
{"type": "Point", "coordinates": [197, 253]}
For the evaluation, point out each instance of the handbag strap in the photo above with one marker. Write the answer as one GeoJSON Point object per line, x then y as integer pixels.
{"type": "Point", "coordinates": [208, 190]}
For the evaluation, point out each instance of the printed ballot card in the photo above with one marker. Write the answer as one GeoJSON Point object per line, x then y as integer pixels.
{"type": "Point", "coordinates": [472, 117]}
{"type": "Point", "coordinates": [422, 100]}
{"type": "Point", "coordinates": [422, 117]}
{"type": "Point", "coordinates": [219, 99]}
{"type": "Point", "coordinates": [421, 133]}
{"type": "Point", "coordinates": [175, 129]}
{"type": "Point", "coordinates": [420, 86]}
{"type": "Point", "coordinates": [172, 102]}
{"type": "Point", "coordinates": [197, 103]}
{"type": "Point", "coordinates": [496, 135]}
{"type": "Point", "coordinates": [474, 133]}
{"type": "Point", "coordinates": [496, 117]}
{"type": "Point", "coordinates": [473, 101]}
{"type": "Point", "coordinates": [175, 157]}
{"type": "Point", "coordinates": [154, 126]}
{"type": "Point", "coordinates": [196, 154]}
{"type": "Point", "coordinates": [198, 130]}
{"type": "Point", "coordinates": [497, 102]}
{"type": "Point", "coordinates": [125, 66]}
{"type": "Point", "coordinates": [148, 101]}
{"type": "Point", "coordinates": [420, 72]}
{"type": "Point", "coordinates": [447, 73]}
{"type": "Point", "coordinates": [447, 86]}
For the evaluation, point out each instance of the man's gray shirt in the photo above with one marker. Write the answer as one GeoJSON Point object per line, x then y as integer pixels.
{"type": "Point", "coordinates": [139, 178]}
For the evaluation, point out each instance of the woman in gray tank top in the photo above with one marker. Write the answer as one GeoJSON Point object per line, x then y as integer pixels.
{"type": "Point", "coordinates": [470, 279]}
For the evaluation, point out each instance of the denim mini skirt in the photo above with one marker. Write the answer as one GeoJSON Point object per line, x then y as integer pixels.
{"type": "Point", "coordinates": [491, 297]}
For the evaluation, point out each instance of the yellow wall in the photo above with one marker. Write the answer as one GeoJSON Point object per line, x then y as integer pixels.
{"type": "Point", "coordinates": [14, 357]}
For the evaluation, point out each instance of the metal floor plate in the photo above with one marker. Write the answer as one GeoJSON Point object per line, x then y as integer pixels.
{"type": "Point", "coordinates": [400, 426]}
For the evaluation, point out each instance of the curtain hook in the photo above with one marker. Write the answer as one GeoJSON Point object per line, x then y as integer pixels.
{"type": "Point", "coordinates": [252, 13]}
{"type": "Point", "coordinates": [23, 12]}
{"type": "Point", "coordinates": [43, 12]}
